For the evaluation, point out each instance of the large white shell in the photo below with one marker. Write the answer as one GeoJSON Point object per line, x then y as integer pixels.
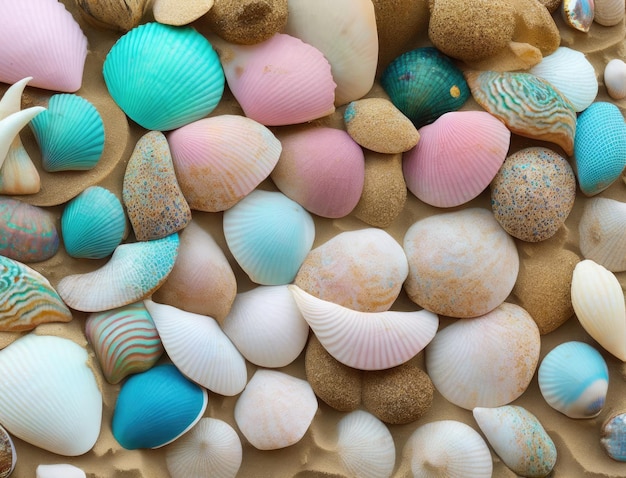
{"type": "Point", "coordinates": [59, 470]}
{"type": "Point", "coordinates": [366, 340]}
{"type": "Point", "coordinates": [615, 78]}
{"type": "Point", "coordinates": [602, 231]}
{"type": "Point", "coordinates": [608, 12]}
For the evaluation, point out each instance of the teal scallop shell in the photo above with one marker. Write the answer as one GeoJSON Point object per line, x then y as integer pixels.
{"type": "Point", "coordinates": [599, 147]}
{"type": "Point", "coordinates": [164, 77]}
{"type": "Point", "coordinates": [424, 84]}
{"type": "Point", "coordinates": [70, 134]}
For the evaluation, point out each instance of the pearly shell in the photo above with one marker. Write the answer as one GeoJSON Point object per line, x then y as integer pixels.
{"type": "Point", "coordinates": [578, 14]}
{"type": "Point", "coordinates": [614, 435]}
{"type": "Point", "coordinates": [608, 12]}
{"type": "Point", "coordinates": [60, 470]}
{"type": "Point", "coordinates": [602, 232]}
{"type": "Point", "coordinates": [8, 457]}
{"type": "Point", "coordinates": [615, 78]}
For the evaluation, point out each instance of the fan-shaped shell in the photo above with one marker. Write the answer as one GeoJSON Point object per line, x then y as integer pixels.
{"type": "Point", "coordinates": [164, 77]}
{"type": "Point", "coordinates": [615, 78]}
{"type": "Point", "coordinates": [602, 231]}
{"type": "Point", "coordinates": [456, 157]}
{"type": "Point", "coordinates": [8, 456]}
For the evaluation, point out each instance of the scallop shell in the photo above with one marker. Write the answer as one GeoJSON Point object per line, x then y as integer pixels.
{"type": "Point", "coordinates": [60, 470]}
{"type": "Point", "coordinates": [269, 236]}
{"type": "Point", "coordinates": [219, 160]}
{"type": "Point", "coordinates": [211, 448]}
{"type": "Point", "coordinates": [608, 12]}
{"type": "Point", "coordinates": [598, 302]}
{"type": "Point", "coordinates": [93, 224]}
{"type": "Point", "coordinates": [68, 421]}
{"type": "Point", "coordinates": [134, 272]}
{"type": "Point", "coordinates": [197, 346]}
{"type": "Point", "coordinates": [456, 157]}
{"type": "Point", "coordinates": [160, 90]}
{"type": "Point", "coordinates": [156, 407]}
{"type": "Point", "coordinates": [366, 340]}
{"type": "Point", "coordinates": [615, 78]}
{"type": "Point", "coordinates": [8, 457]}
{"type": "Point", "coordinates": [487, 361]}
{"type": "Point", "coordinates": [578, 14]}
{"type": "Point", "coordinates": [602, 232]}
{"type": "Point", "coordinates": [41, 39]}
{"type": "Point", "coordinates": [424, 84]}
{"type": "Point", "coordinates": [613, 436]}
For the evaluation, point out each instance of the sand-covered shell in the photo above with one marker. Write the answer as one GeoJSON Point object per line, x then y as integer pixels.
{"type": "Point", "coordinates": [528, 105]}
{"type": "Point", "coordinates": [366, 340]}
{"type": "Point", "coordinates": [424, 84]}
{"type": "Point", "coordinates": [269, 236]}
{"type": "Point", "coordinates": [93, 224]}
{"type": "Point", "coordinates": [456, 157]}
{"type": "Point", "coordinates": [488, 361]}
{"type": "Point", "coordinates": [164, 77]}
{"type": "Point", "coordinates": [40, 38]}
{"type": "Point", "coordinates": [219, 160]}
{"type": "Point", "coordinates": [67, 421]}
{"type": "Point", "coordinates": [598, 302]}
{"type": "Point", "coordinates": [615, 78]}
{"type": "Point", "coordinates": [156, 407]}
{"type": "Point", "coordinates": [578, 14]}
{"type": "Point", "coordinates": [608, 12]}
{"type": "Point", "coordinates": [115, 14]}
{"type": "Point", "coordinates": [125, 341]}
{"type": "Point", "coordinates": [602, 232]}
{"type": "Point", "coordinates": [8, 456]}
{"type": "Point", "coordinates": [600, 147]}
{"type": "Point", "coordinates": [613, 436]}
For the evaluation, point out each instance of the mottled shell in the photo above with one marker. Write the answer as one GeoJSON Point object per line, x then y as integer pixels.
{"type": "Point", "coordinates": [578, 14]}
{"type": "Point", "coordinates": [8, 456]}
{"type": "Point", "coordinates": [120, 15]}
{"type": "Point", "coordinates": [602, 231]}
{"type": "Point", "coordinates": [615, 78]}
{"type": "Point", "coordinates": [613, 437]}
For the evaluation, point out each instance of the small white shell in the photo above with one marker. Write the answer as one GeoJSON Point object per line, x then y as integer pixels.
{"type": "Point", "coordinates": [60, 470]}
{"type": "Point", "coordinates": [602, 231]}
{"type": "Point", "coordinates": [615, 78]}
{"type": "Point", "coordinates": [608, 12]}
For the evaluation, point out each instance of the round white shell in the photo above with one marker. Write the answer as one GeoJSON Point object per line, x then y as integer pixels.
{"type": "Point", "coordinates": [602, 231]}
{"type": "Point", "coordinates": [60, 470]}
{"type": "Point", "coordinates": [615, 78]}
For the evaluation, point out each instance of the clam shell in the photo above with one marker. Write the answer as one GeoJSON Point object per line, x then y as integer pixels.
{"type": "Point", "coordinates": [60, 470]}
{"type": "Point", "coordinates": [156, 407]}
{"type": "Point", "coordinates": [488, 361]}
{"type": "Point", "coordinates": [200, 350]}
{"type": "Point", "coordinates": [366, 340]}
{"type": "Point", "coordinates": [615, 78]}
{"type": "Point", "coordinates": [614, 435]}
{"type": "Point", "coordinates": [68, 421]}
{"type": "Point", "coordinates": [602, 232]}
{"type": "Point", "coordinates": [608, 12]}
{"type": "Point", "coordinates": [456, 157]}
{"type": "Point", "coordinates": [8, 457]}
{"type": "Point", "coordinates": [578, 14]}
{"type": "Point", "coordinates": [598, 302]}
{"type": "Point", "coordinates": [160, 90]}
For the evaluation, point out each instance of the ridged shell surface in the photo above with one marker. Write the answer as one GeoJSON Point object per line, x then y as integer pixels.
{"type": "Point", "coordinates": [8, 456]}
{"type": "Point", "coordinates": [602, 232]}
{"type": "Point", "coordinates": [615, 78]}
{"type": "Point", "coordinates": [613, 437]}
{"type": "Point", "coordinates": [608, 12]}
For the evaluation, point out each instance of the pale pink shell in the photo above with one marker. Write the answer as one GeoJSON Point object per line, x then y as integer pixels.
{"type": "Point", "coordinates": [456, 158]}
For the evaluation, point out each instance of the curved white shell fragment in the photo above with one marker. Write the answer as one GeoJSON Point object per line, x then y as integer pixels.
{"type": "Point", "coordinates": [59, 470]}
{"type": "Point", "coordinates": [11, 126]}
{"type": "Point", "coordinates": [602, 231]}
{"type": "Point", "coordinates": [366, 340]}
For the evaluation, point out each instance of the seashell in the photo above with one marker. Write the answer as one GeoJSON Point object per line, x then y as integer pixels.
{"type": "Point", "coordinates": [266, 326]}
{"type": "Point", "coordinates": [346, 34]}
{"type": "Point", "coordinates": [363, 270]}
{"type": "Point", "coordinates": [574, 379]}
{"type": "Point", "coordinates": [602, 229]}
{"type": "Point", "coordinates": [366, 340]}
{"type": "Point", "coordinates": [8, 457]}
{"type": "Point", "coordinates": [280, 81]}
{"type": "Point", "coordinates": [219, 160]}
{"type": "Point", "coordinates": [269, 235]}
{"type": "Point", "coordinates": [600, 147]}
{"type": "Point", "coordinates": [447, 447]}
{"type": "Point", "coordinates": [456, 258]}
{"type": "Point", "coordinates": [488, 361]}
{"type": "Point", "coordinates": [41, 39]}
{"type": "Point", "coordinates": [27, 299]}
{"type": "Point", "coordinates": [424, 84]}
{"type": "Point", "coordinates": [211, 448]}
{"type": "Point", "coordinates": [615, 78]}
{"type": "Point", "coordinates": [125, 341]}
{"type": "Point", "coordinates": [456, 158]}
{"type": "Point", "coordinates": [613, 436]}
{"type": "Point", "coordinates": [578, 14]}
{"type": "Point", "coordinates": [322, 169]}
{"type": "Point", "coordinates": [170, 12]}
{"type": "Point", "coordinates": [572, 74]}
{"type": "Point", "coordinates": [528, 105]}
{"type": "Point", "coordinates": [160, 90]}
{"type": "Point", "coordinates": [27, 233]}
{"type": "Point", "coordinates": [11, 125]}
{"type": "Point", "coordinates": [60, 470]}
{"type": "Point", "coordinates": [68, 421]}
{"type": "Point", "coordinates": [120, 15]}
{"type": "Point", "coordinates": [518, 438]}
{"type": "Point", "coordinates": [156, 407]}
{"type": "Point", "coordinates": [275, 410]}
{"type": "Point", "coordinates": [200, 350]}
{"type": "Point", "coordinates": [598, 302]}
{"type": "Point", "coordinates": [93, 224]}
{"type": "Point", "coordinates": [134, 272]}
{"type": "Point", "coordinates": [365, 445]}
{"type": "Point", "coordinates": [608, 12]}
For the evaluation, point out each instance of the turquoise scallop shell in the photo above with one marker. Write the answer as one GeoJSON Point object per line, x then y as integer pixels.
{"type": "Point", "coordinates": [70, 134]}
{"type": "Point", "coordinates": [164, 77]}
{"type": "Point", "coordinates": [424, 84]}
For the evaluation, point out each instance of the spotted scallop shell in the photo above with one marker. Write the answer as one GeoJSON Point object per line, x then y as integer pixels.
{"type": "Point", "coordinates": [602, 231]}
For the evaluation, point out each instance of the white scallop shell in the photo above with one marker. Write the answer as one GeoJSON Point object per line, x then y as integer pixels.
{"type": "Point", "coordinates": [598, 302]}
{"type": "Point", "coordinates": [366, 340]}
{"type": "Point", "coordinates": [608, 12]}
{"type": "Point", "coordinates": [59, 470]}
{"type": "Point", "coordinates": [602, 231]}
{"type": "Point", "coordinates": [615, 78]}
{"type": "Point", "coordinates": [200, 350]}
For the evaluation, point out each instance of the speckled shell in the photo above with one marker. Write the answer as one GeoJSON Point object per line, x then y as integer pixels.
{"type": "Point", "coordinates": [608, 12]}
{"type": "Point", "coordinates": [613, 437]}
{"type": "Point", "coordinates": [8, 456]}
{"type": "Point", "coordinates": [615, 78]}
{"type": "Point", "coordinates": [578, 14]}
{"type": "Point", "coordinates": [602, 232]}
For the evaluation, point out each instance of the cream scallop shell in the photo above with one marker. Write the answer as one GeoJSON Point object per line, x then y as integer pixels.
{"type": "Point", "coordinates": [608, 12]}
{"type": "Point", "coordinates": [615, 78]}
{"type": "Point", "coordinates": [366, 340]}
{"type": "Point", "coordinates": [602, 231]}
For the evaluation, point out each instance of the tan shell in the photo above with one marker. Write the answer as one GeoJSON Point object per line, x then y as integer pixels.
{"type": "Point", "coordinates": [115, 14]}
{"type": "Point", "coordinates": [175, 12]}
{"type": "Point", "coordinates": [608, 12]}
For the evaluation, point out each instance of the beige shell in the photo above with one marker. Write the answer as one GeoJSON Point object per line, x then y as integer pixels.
{"type": "Point", "coordinates": [615, 78]}
{"type": "Point", "coordinates": [608, 12]}
{"type": "Point", "coordinates": [174, 12]}
{"type": "Point", "coordinates": [116, 14]}
{"type": "Point", "coordinates": [602, 231]}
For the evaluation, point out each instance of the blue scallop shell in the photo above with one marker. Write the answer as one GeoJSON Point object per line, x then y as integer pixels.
{"type": "Point", "coordinates": [155, 407]}
{"type": "Point", "coordinates": [424, 84]}
{"type": "Point", "coordinates": [164, 77]}
{"type": "Point", "coordinates": [70, 134]}
{"type": "Point", "coordinates": [599, 147]}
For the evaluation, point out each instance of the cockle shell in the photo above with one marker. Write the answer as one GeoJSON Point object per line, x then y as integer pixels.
{"type": "Point", "coordinates": [602, 232]}
{"type": "Point", "coordinates": [487, 361]}
{"type": "Point", "coordinates": [120, 15]}
{"type": "Point", "coordinates": [578, 14]}
{"type": "Point", "coordinates": [598, 302]}
{"type": "Point", "coordinates": [67, 421]}
{"type": "Point", "coordinates": [275, 410]}
{"type": "Point", "coordinates": [8, 457]}
{"type": "Point", "coordinates": [160, 90]}
{"type": "Point", "coordinates": [366, 340]}
{"type": "Point", "coordinates": [608, 12]}
{"type": "Point", "coordinates": [456, 158]}
{"type": "Point", "coordinates": [59, 470]}
{"type": "Point", "coordinates": [613, 436]}
{"type": "Point", "coordinates": [615, 78]}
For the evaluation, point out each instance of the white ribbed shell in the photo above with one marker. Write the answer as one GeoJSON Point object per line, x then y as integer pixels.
{"type": "Point", "coordinates": [602, 230]}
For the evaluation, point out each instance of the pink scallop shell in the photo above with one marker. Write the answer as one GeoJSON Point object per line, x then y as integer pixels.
{"type": "Point", "coordinates": [456, 157]}
{"type": "Point", "coordinates": [40, 38]}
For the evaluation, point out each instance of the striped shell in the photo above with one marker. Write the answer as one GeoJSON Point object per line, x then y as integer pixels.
{"type": "Point", "coordinates": [602, 232]}
{"type": "Point", "coordinates": [608, 12]}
